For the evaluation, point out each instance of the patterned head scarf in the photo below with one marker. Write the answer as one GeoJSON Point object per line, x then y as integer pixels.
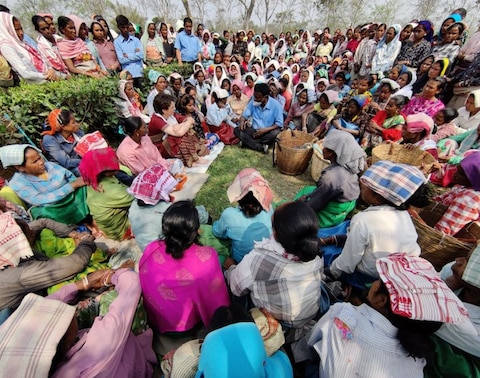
{"type": "Point", "coordinates": [416, 123]}
{"type": "Point", "coordinates": [417, 292]}
{"type": "Point", "coordinates": [53, 122]}
{"type": "Point", "coordinates": [362, 100]}
{"type": "Point", "coordinates": [153, 184]}
{"type": "Point", "coordinates": [95, 162]}
{"type": "Point", "coordinates": [394, 182]}
{"type": "Point", "coordinates": [250, 180]}
{"type": "Point", "coordinates": [14, 154]}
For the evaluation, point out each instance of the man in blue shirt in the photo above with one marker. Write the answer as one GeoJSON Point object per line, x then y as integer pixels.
{"type": "Point", "coordinates": [129, 51]}
{"type": "Point", "coordinates": [187, 45]}
{"type": "Point", "coordinates": [267, 119]}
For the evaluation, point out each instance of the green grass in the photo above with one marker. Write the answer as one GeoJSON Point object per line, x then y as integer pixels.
{"type": "Point", "coordinates": [226, 166]}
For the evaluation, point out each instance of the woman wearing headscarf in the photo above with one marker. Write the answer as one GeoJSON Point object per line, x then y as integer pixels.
{"type": "Point", "coordinates": [152, 191]}
{"type": "Point", "coordinates": [304, 103]}
{"type": "Point", "coordinates": [238, 101]}
{"type": "Point", "coordinates": [47, 46]}
{"type": "Point", "coordinates": [469, 115]}
{"type": "Point", "coordinates": [337, 190]}
{"type": "Point", "coordinates": [279, 49]}
{"type": "Point", "coordinates": [437, 68]}
{"type": "Point", "coordinates": [442, 32]}
{"type": "Point", "coordinates": [234, 71]}
{"type": "Point", "coordinates": [251, 221]}
{"type": "Point", "coordinates": [160, 85]}
{"type": "Point", "coordinates": [25, 60]}
{"type": "Point", "coordinates": [167, 39]}
{"type": "Point", "coordinates": [385, 227]}
{"type": "Point", "coordinates": [353, 118]}
{"type": "Point", "coordinates": [153, 52]}
{"type": "Point", "coordinates": [387, 49]}
{"type": "Point", "coordinates": [82, 33]}
{"type": "Point", "coordinates": [107, 197]}
{"type": "Point", "coordinates": [463, 200]}
{"type": "Point", "coordinates": [405, 81]}
{"type": "Point", "coordinates": [128, 104]}
{"type": "Point", "coordinates": [412, 53]}
{"type": "Point", "coordinates": [208, 49]}
{"type": "Point", "coordinates": [303, 47]}
{"type": "Point", "coordinates": [390, 334]}
{"type": "Point", "coordinates": [418, 131]}
{"type": "Point", "coordinates": [75, 52]}
{"type": "Point", "coordinates": [218, 76]}
{"type": "Point", "coordinates": [61, 135]}
{"type": "Point", "coordinates": [47, 186]}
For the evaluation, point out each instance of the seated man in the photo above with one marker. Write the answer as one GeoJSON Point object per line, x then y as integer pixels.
{"type": "Point", "coordinates": [267, 119]}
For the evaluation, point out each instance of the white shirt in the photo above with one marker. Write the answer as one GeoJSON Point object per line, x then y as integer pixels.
{"type": "Point", "coordinates": [374, 233]}
{"type": "Point", "coordinates": [464, 121]}
{"type": "Point", "coordinates": [361, 343]}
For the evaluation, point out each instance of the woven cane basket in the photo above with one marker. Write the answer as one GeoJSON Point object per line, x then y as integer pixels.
{"type": "Point", "coordinates": [437, 247]}
{"type": "Point", "coordinates": [293, 151]}
{"type": "Point", "coordinates": [318, 162]}
{"type": "Point", "coordinates": [401, 154]}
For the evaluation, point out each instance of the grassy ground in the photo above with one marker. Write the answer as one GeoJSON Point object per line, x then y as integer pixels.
{"type": "Point", "coordinates": [223, 170]}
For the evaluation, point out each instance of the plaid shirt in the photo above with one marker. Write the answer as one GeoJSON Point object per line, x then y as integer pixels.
{"type": "Point", "coordinates": [463, 208]}
{"type": "Point", "coordinates": [288, 289]}
{"type": "Point", "coordinates": [37, 191]}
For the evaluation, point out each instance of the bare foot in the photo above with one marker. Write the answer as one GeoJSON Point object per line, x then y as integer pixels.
{"type": "Point", "coordinates": [202, 161]}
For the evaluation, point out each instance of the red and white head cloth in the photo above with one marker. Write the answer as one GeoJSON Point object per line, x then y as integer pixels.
{"type": "Point", "coordinates": [417, 292]}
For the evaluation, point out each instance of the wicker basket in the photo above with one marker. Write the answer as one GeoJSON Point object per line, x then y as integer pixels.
{"type": "Point", "coordinates": [318, 162]}
{"type": "Point", "coordinates": [292, 152]}
{"type": "Point", "coordinates": [434, 212]}
{"type": "Point", "coordinates": [437, 247]}
{"type": "Point", "coordinates": [400, 154]}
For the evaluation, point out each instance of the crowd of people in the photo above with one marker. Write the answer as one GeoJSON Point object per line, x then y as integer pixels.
{"type": "Point", "coordinates": [270, 288]}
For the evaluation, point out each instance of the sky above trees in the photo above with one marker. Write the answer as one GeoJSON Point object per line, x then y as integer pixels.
{"type": "Point", "coordinates": [270, 15]}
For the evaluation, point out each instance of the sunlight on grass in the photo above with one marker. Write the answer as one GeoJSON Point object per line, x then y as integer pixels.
{"type": "Point", "coordinates": [213, 194]}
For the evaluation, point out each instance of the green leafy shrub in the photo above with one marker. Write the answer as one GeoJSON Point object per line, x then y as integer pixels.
{"type": "Point", "coordinates": [90, 99]}
{"type": "Point", "coordinates": [186, 70]}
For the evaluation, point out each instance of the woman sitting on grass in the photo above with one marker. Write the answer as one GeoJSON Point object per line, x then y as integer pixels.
{"type": "Point", "coordinates": [251, 220]}
{"type": "Point", "coordinates": [54, 191]}
{"type": "Point", "coordinates": [337, 190]}
{"type": "Point", "coordinates": [107, 198]}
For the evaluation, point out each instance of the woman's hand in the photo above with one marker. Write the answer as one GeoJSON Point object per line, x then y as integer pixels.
{"type": "Point", "coordinates": [51, 75]}
{"type": "Point", "coordinates": [228, 263]}
{"type": "Point", "coordinates": [78, 183]}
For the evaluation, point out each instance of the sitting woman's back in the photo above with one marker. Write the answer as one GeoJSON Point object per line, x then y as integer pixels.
{"type": "Point", "coordinates": [182, 282]}
{"type": "Point", "coordinates": [252, 220]}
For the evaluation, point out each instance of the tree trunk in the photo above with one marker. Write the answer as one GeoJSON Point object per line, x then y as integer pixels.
{"type": "Point", "coordinates": [248, 14]}
{"type": "Point", "coordinates": [186, 5]}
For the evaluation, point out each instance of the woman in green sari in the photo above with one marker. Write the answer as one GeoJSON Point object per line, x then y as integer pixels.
{"type": "Point", "coordinates": [337, 189]}
{"type": "Point", "coordinates": [107, 197]}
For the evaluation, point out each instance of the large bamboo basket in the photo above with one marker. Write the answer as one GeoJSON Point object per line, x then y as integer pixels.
{"type": "Point", "coordinates": [401, 154]}
{"type": "Point", "coordinates": [292, 151]}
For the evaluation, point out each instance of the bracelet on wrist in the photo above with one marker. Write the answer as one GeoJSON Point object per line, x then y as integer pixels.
{"type": "Point", "coordinates": [85, 283]}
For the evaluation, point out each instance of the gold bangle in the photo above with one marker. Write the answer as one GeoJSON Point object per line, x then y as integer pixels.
{"type": "Point", "coordinates": [85, 283]}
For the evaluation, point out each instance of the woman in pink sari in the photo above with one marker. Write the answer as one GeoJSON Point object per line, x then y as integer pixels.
{"type": "Point", "coordinates": [182, 282]}
{"type": "Point", "coordinates": [75, 52]}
